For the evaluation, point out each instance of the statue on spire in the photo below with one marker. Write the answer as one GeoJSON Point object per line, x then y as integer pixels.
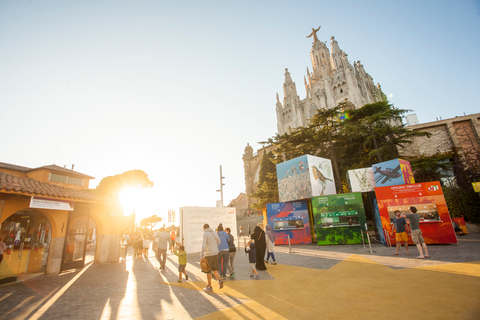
{"type": "Point", "coordinates": [314, 34]}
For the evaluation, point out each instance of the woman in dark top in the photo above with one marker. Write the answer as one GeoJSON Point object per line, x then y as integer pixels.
{"type": "Point", "coordinates": [260, 244]}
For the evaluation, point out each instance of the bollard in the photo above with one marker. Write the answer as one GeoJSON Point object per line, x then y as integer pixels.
{"type": "Point", "coordinates": [369, 243]}
{"type": "Point", "coordinates": [289, 244]}
{"type": "Point", "coordinates": [245, 244]}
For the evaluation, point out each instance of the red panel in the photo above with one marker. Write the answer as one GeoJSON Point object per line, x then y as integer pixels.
{"type": "Point", "coordinates": [416, 194]}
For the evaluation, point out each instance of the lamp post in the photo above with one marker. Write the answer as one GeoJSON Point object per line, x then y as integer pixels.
{"type": "Point", "coordinates": [221, 187]}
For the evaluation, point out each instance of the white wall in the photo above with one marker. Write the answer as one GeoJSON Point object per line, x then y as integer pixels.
{"type": "Point", "coordinates": [192, 220]}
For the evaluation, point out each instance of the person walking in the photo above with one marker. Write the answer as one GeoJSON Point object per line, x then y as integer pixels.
{"type": "Point", "coordinates": [146, 246]}
{"type": "Point", "coordinates": [270, 244]}
{"type": "Point", "coordinates": [252, 259]}
{"type": "Point", "coordinates": [210, 253]}
{"type": "Point", "coordinates": [3, 247]}
{"type": "Point", "coordinates": [223, 252]}
{"type": "Point", "coordinates": [258, 236]}
{"type": "Point", "coordinates": [163, 238]}
{"type": "Point", "coordinates": [182, 261]}
{"type": "Point", "coordinates": [417, 233]}
{"type": "Point", "coordinates": [241, 234]}
{"type": "Point", "coordinates": [232, 252]}
{"type": "Point", "coordinates": [399, 224]}
{"type": "Point", "coordinates": [173, 236]}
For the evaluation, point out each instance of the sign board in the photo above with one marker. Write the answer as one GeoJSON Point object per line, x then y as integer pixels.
{"type": "Point", "coordinates": [392, 173]}
{"type": "Point", "coordinates": [192, 220]}
{"type": "Point", "coordinates": [305, 177]}
{"type": "Point", "coordinates": [476, 186]}
{"type": "Point", "coordinates": [290, 220]}
{"type": "Point", "coordinates": [339, 218]}
{"type": "Point", "coordinates": [427, 197]}
{"type": "Point", "coordinates": [53, 204]}
{"type": "Point", "coordinates": [361, 180]}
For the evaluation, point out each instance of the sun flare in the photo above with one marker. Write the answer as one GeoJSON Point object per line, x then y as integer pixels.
{"type": "Point", "coordinates": [130, 199]}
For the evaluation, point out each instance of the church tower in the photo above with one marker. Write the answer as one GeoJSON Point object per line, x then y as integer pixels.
{"type": "Point", "coordinates": [332, 80]}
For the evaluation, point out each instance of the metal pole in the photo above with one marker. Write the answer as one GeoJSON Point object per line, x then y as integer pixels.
{"type": "Point", "coordinates": [363, 239]}
{"type": "Point", "coordinates": [289, 244]}
{"type": "Point", "coordinates": [369, 243]}
{"type": "Point", "coordinates": [221, 187]}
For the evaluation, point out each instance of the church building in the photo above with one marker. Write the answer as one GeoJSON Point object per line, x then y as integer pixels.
{"type": "Point", "coordinates": [332, 80]}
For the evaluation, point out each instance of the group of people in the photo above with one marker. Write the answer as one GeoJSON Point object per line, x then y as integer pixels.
{"type": "Point", "coordinates": [399, 225]}
{"type": "Point", "coordinates": [218, 252]}
{"type": "Point", "coordinates": [138, 241]}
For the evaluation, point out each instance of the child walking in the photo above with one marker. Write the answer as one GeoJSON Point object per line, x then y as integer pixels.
{"type": "Point", "coordinates": [182, 262]}
{"type": "Point", "coordinates": [146, 246]}
{"type": "Point", "coordinates": [252, 258]}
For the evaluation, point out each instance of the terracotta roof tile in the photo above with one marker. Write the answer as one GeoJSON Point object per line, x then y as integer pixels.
{"type": "Point", "coordinates": [10, 182]}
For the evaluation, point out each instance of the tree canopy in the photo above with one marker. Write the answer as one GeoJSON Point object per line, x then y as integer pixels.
{"type": "Point", "coordinates": [112, 185]}
{"type": "Point", "coordinates": [267, 191]}
{"type": "Point", "coordinates": [150, 222]}
{"type": "Point", "coordinates": [350, 138]}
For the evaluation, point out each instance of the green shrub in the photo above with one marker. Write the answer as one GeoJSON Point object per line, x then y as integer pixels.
{"type": "Point", "coordinates": [463, 202]}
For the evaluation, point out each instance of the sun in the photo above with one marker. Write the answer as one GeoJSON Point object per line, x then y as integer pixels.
{"type": "Point", "coordinates": [130, 199]}
{"type": "Point", "coordinates": [142, 201]}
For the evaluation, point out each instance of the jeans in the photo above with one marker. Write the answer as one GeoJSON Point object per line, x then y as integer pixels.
{"type": "Point", "coordinates": [223, 262]}
{"type": "Point", "coordinates": [270, 254]}
{"type": "Point", "coordinates": [231, 257]}
{"type": "Point", "coordinates": [162, 257]}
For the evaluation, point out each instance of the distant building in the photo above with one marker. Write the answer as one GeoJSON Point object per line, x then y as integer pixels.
{"type": "Point", "coordinates": [460, 133]}
{"type": "Point", "coordinates": [332, 80]}
{"type": "Point", "coordinates": [50, 221]}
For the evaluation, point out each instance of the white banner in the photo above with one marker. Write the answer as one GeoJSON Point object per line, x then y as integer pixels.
{"type": "Point", "coordinates": [53, 204]}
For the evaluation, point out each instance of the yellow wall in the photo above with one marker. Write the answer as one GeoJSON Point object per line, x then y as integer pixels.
{"type": "Point", "coordinates": [108, 229]}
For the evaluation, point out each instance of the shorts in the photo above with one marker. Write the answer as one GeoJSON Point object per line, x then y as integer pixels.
{"type": "Point", "coordinates": [401, 236]}
{"type": "Point", "coordinates": [253, 265]}
{"type": "Point", "coordinates": [213, 263]}
{"type": "Point", "coordinates": [417, 236]}
{"type": "Point", "coordinates": [181, 267]}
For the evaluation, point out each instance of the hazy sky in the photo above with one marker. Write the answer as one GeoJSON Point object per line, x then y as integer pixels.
{"type": "Point", "coordinates": [178, 88]}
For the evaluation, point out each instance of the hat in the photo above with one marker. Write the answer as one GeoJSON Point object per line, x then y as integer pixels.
{"type": "Point", "coordinates": [204, 265]}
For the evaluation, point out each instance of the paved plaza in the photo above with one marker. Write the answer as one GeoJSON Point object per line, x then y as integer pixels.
{"type": "Point", "coordinates": [309, 282]}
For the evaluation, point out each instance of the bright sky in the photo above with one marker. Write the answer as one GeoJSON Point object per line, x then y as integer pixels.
{"type": "Point", "coordinates": [178, 88]}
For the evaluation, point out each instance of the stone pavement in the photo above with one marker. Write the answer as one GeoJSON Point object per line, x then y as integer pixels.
{"type": "Point", "coordinates": [310, 282]}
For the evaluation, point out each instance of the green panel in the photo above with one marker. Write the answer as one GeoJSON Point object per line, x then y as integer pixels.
{"type": "Point", "coordinates": [339, 219]}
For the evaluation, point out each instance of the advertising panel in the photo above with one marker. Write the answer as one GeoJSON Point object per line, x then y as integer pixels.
{"type": "Point", "coordinates": [304, 177]}
{"type": "Point", "coordinates": [290, 219]}
{"type": "Point", "coordinates": [392, 173]}
{"type": "Point", "coordinates": [192, 220]}
{"type": "Point", "coordinates": [361, 180]}
{"type": "Point", "coordinates": [435, 220]}
{"type": "Point", "coordinates": [339, 218]}
{"type": "Point", "coordinates": [321, 176]}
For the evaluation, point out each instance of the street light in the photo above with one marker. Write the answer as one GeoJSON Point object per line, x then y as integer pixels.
{"type": "Point", "coordinates": [221, 187]}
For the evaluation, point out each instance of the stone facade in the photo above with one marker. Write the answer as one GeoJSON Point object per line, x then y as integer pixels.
{"type": "Point", "coordinates": [332, 80]}
{"type": "Point", "coordinates": [251, 166]}
{"type": "Point", "coordinates": [461, 133]}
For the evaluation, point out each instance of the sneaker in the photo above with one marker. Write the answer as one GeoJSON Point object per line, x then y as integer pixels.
{"type": "Point", "coordinates": [252, 276]}
{"type": "Point", "coordinates": [257, 277]}
{"type": "Point", "coordinates": [208, 289]}
{"type": "Point", "coordinates": [222, 278]}
{"type": "Point", "coordinates": [186, 277]}
{"type": "Point", "coordinates": [179, 280]}
{"type": "Point", "coordinates": [232, 275]}
{"type": "Point", "coordinates": [220, 283]}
